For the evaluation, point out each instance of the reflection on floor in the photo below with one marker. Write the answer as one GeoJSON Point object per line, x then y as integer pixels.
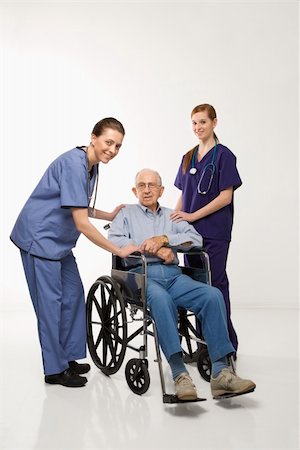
{"type": "Point", "coordinates": [105, 414]}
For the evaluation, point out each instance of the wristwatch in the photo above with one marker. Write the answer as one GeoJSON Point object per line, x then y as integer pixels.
{"type": "Point", "coordinates": [165, 240]}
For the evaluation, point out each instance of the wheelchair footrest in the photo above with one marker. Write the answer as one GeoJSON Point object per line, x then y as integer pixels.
{"type": "Point", "coordinates": [171, 398]}
{"type": "Point", "coordinates": [230, 395]}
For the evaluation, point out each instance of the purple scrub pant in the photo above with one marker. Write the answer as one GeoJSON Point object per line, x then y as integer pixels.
{"type": "Point", "coordinates": [218, 252]}
{"type": "Point", "coordinates": [58, 299]}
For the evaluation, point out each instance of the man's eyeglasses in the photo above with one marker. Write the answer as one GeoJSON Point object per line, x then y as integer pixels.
{"type": "Point", "coordinates": [150, 186]}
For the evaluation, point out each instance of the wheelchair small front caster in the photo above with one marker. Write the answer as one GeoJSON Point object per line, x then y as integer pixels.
{"type": "Point", "coordinates": [137, 375]}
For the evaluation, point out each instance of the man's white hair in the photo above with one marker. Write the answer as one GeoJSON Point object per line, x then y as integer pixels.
{"type": "Point", "coordinates": [159, 180]}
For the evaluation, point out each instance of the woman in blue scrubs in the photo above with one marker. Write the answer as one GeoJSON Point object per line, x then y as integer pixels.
{"type": "Point", "coordinates": [207, 178]}
{"type": "Point", "coordinates": [46, 231]}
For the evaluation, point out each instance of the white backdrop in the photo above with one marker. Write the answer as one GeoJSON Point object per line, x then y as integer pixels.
{"type": "Point", "coordinates": [66, 65]}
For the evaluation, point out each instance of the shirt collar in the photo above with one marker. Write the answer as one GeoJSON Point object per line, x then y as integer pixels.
{"type": "Point", "coordinates": [148, 210]}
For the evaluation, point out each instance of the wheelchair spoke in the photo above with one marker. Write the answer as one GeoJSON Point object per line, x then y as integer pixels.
{"type": "Point", "coordinates": [104, 352]}
{"type": "Point", "coordinates": [98, 308]}
{"type": "Point", "coordinates": [99, 338]}
{"type": "Point", "coordinates": [111, 347]}
{"type": "Point", "coordinates": [116, 337]}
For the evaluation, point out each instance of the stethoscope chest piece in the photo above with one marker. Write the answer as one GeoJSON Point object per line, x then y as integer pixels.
{"type": "Point", "coordinates": [209, 168]}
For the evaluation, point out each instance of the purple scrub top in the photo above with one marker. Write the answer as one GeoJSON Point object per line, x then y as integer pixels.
{"type": "Point", "coordinates": [45, 226]}
{"type": "Point", "coordinates": [219, 224]}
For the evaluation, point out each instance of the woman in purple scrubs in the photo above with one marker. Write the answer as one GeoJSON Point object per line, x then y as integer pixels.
{"type": "Point", "coordinates": [46, 231]}
{"type": "Point", "coordinates": [207, 178]}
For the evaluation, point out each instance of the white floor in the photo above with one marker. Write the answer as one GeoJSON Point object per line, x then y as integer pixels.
{"type": "Point", "coordinates": [105, 414]}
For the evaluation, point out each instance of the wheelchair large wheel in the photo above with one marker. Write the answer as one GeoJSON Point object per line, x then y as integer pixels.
{"type": "Point", "coordinates": [204, 364]}
{"type": "Point", "coordinates": [106, 325]}
{"type": "Point", "coordinates": [137, 375]}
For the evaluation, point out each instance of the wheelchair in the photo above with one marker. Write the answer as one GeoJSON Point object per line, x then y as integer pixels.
{"type": "Point", "coordinates": [114, 302]}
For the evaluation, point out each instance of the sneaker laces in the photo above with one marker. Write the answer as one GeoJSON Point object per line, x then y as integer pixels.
{"type": "Point", "coordinates": [184, 378]}
{"type": "Point", "coordinates": [228, 375]}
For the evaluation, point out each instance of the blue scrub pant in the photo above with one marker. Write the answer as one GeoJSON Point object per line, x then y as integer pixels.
{"type": "Point", "coordinates": [218, 253]}
{"type": "Point", "coordinates": [167, 290]}
{"type": "Point", "coordinates": [58, 299]}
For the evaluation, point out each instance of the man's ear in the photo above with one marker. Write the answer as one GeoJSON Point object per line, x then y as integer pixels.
{"type": "Point", "coordinates": [134, 190]}
{"type": "Point", "coordinates": [161, 191]}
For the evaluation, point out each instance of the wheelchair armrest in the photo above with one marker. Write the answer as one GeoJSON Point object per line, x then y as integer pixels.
{"type": "Point", "coordinates": [188, 251]}
{"type": "Point", "coordinates": [117, 261]}
{"type": "Point", "coordinates": [202, 271]}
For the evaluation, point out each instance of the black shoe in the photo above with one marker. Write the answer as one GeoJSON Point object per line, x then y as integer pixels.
{"type": "Point", "coordinates": [66, 378]}
{"type": "Point", "coordinates": [79, 369]}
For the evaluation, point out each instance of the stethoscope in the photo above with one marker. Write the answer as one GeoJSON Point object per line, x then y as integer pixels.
{"type": "Point", "coordinates": [209, 166]}
{"type": "Point", "coordinates": [89, 192]}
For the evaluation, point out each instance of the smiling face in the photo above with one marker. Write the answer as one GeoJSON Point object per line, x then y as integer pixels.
{"type": "Point", "coordinates": [148, 188]}
{"type": "Point", "coordinates": [203, 126]}
{"type": "Point", "coordinates": [106, 146]}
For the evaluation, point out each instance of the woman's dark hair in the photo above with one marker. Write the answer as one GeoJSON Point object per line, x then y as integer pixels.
{"type": "Point", "coordinates": [211, 112]}
{"type": "Point", "coordinates": [108, 122]}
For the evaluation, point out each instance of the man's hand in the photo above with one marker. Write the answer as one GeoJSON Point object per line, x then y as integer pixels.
{"type": "Point", "coordinates": [152, 245]}
{"type": "Point", "coordinates": [166, 254]}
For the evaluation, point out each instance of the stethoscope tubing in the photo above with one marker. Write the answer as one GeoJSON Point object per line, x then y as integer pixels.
{"type": "Point", "coordinates": [90, 194]}
{"type": "Point", "coordinates": [96, 188]}
{"type": "Point", "coordinates": [209, 166]}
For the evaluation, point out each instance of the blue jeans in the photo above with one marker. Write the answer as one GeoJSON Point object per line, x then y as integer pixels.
{"type": "Point", "coordinates": [167, 290]}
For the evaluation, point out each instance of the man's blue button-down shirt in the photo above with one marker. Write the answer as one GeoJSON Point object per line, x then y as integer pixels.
{"type": "Point", "coordinates": [135, 223]}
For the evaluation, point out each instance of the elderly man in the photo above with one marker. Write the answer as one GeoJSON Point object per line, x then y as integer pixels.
{"type": "Point", "coordinates": [147, 225]}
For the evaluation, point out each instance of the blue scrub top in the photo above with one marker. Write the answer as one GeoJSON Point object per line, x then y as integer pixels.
{"type": "Point", "coordinates": [45, 226]}
{"type": "Point", "coordinates": [219, 224]}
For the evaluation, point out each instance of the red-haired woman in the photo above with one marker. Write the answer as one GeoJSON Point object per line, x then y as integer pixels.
{"type": "Point", "coordinates": [207, 178]}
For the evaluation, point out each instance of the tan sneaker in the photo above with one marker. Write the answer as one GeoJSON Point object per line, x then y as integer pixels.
{"type": "Point", "coordinates": [229, 384]}
{"type": "Point", "coordinates": [185, 388]}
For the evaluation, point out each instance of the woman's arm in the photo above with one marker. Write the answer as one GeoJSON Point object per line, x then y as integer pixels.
{"type": "Point", "coordinates": [222, 200]}
{"type": "Point", "coordinates": [98, 214]}
{"type": "Point", "coordinates": [84, 226]}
